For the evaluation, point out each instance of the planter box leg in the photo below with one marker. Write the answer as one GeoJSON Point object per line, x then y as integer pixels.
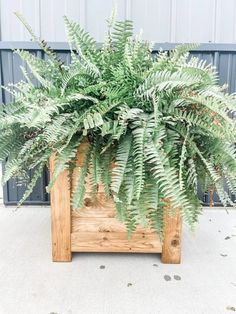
{"type": "Point", "coordinates": [171, 249]}
{"type": "Point", "coordinates": [61, 217]}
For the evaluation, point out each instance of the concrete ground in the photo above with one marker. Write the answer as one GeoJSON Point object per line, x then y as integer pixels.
{"type": "Point", "coordinates": [205, 282]}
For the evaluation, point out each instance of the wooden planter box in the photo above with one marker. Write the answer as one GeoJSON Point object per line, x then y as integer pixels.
{"type": "Point", "coordinates": [95, 228]}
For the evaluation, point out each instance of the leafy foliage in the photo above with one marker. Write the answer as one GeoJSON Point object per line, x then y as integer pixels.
{"type": "Point", "coordinates": [162, 120]}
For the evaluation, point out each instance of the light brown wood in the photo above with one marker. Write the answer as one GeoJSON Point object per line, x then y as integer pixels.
{"type": "Point", "coordinates": [115, 242]}
{"type": "Point", "coordinates": [95, 228]}
{"type": "Point", "coordinates": [171, 249]}
{"type": "Point", "coordinates": [94, 208]}
{"type": "Point", "coordinates": [90, 224]}
{"type": "Point", "coordinates": [61, 216]}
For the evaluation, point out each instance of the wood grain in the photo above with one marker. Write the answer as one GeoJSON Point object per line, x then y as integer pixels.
{"type": "Point", "coordinates": [115, 242]}
{"type": "Point", "coordinates": [101, 224]}
{"type": "Point", "coordinates": [171, 249]}
{"type": "Point", "coordinates": [94, 208]}
{"type": "Point", "coordinates": [60, 216]}
{"type": "Point", "coordinates": [94, 228]}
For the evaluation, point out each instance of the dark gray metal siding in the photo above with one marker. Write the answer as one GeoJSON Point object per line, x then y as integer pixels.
{"type": "Point", "coordinates": [223, 56]}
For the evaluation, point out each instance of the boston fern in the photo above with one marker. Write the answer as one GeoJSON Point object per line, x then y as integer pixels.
{"type": "Point", "coordinates": [155, 125]}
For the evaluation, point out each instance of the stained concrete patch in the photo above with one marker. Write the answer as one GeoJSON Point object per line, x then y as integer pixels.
{"type": "Point", "coordinates": [167, 278]}
{"type": "Point", "coordinates": [102, 266]}
{"type": "Point", "coordinates": [231, 308]}
{"type": "Point", "coordinates": [223, 255]}
{"type": "Point", "coordinates": [177, 277]}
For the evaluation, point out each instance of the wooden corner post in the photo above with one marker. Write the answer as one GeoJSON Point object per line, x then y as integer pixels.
{"type": "Point", "coordinates": [171, 248]}
{"type": "Point", "coordinates": [61, 216]}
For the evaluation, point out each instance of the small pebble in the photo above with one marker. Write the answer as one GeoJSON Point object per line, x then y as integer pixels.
{"type": "Point", "coordinates": [227, 238]}
{"type": "Point", "coordinates": [102, 267]}
{"type": "Point", "coordinates": [219, 230]}
{"type": "Point", "coordinates": [129, 284]}
{"type": "Point", "coordinates": [167, 278]}
{"type": "Point", "coordinates": [155, 265]}
{"type": "Point", "coordinates": [177, 277]}
{"type": "Point", "coordinates": [223, 255]}
{"type": "Point", "coordinates": [231, 308]}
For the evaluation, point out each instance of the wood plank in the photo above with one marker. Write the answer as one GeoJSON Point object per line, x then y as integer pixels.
{"type": "Point", "coordinates": [61, 216]}
{"type": "Point", "coordinates": [115, 242]}
{"type": "Point", "coordinates": [91, 224]}
{"type": "Point", "coordinates": [79, 163]}
{"type": "Point", "coordinates": [99, 207]}
{"type": "Point", "coordinates": [171, 250]}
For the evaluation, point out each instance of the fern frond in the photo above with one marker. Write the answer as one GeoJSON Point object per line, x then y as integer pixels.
{"type": "Point", "coordinates": [63, 159]}
{"type": "Point", "coordinates": [182, 51]}
{"type": "Point", "coordinates": [30, 186]}
{"type": "Point", "coordinates": [95, 166]}
{"type": "Point", "coordinates": [166, 176]}
{"type": "Point", "coordinates": [85, 46]}
{"type": "Point", "coordinates": [42, 44]}
{"type": "Point", "coordinates": [39, 68]}
{"type": "Point", "coordinates": [11, 169]}
{"type": "Point", "coordinates": [122, 31]}
{"type": "Point", "coordinates": [166, 80]}
{"type": "Point", "coordinates": [106, 173]}
{"type": "Point", "coordinates": [139, 139]}
{"type": "Point", "coordinates": [79, 192]}
{"type": "Point", "coordinates": [122, 156]}
{"type": "Point", "coordinates": [182, 159]}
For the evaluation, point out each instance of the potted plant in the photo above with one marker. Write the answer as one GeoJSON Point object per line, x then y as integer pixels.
{"type": "Point", "coordinates": [127, 136]}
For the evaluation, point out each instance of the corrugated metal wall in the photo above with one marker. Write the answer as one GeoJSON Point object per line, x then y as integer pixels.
{"type": "Point", "coordinates": [162, 20]}
{"type": "Point", "coordinates": [222, 56]}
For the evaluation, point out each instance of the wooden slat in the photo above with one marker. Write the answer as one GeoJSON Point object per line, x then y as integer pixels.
{"type": "Point", "coordinates": [79, 162]}
{"type": "Point", "coordinates": [100, 207]}
{"type": "Point", "coordinates": [115, 242]}
{"type": "Point", "coordinates": [90, 224]}
{"type": "Point", "coordinates": [61, 216]}
{"type": "Point", "coordinates": [171, 250]}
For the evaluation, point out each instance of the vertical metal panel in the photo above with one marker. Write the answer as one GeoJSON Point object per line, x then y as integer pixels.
{"type": "Point", "coordinates": [225, 21]}
{"type": "Point", "coordinates": [227, 69]}
{"type": "Point", "coordinates": [162, 21]}
{"type": "Point", "coordinates": [51, 20]}
{"type": "Point", "coordinates": [96, 13]}
{"type": "Point", "coordinates": [193, 21]}
{"type": "Point", "coordinates": [13, 190]}
{"type": "Point", "coordinates": [153, 17]}
{"type": "Point", "coordinates": [11, 28]}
